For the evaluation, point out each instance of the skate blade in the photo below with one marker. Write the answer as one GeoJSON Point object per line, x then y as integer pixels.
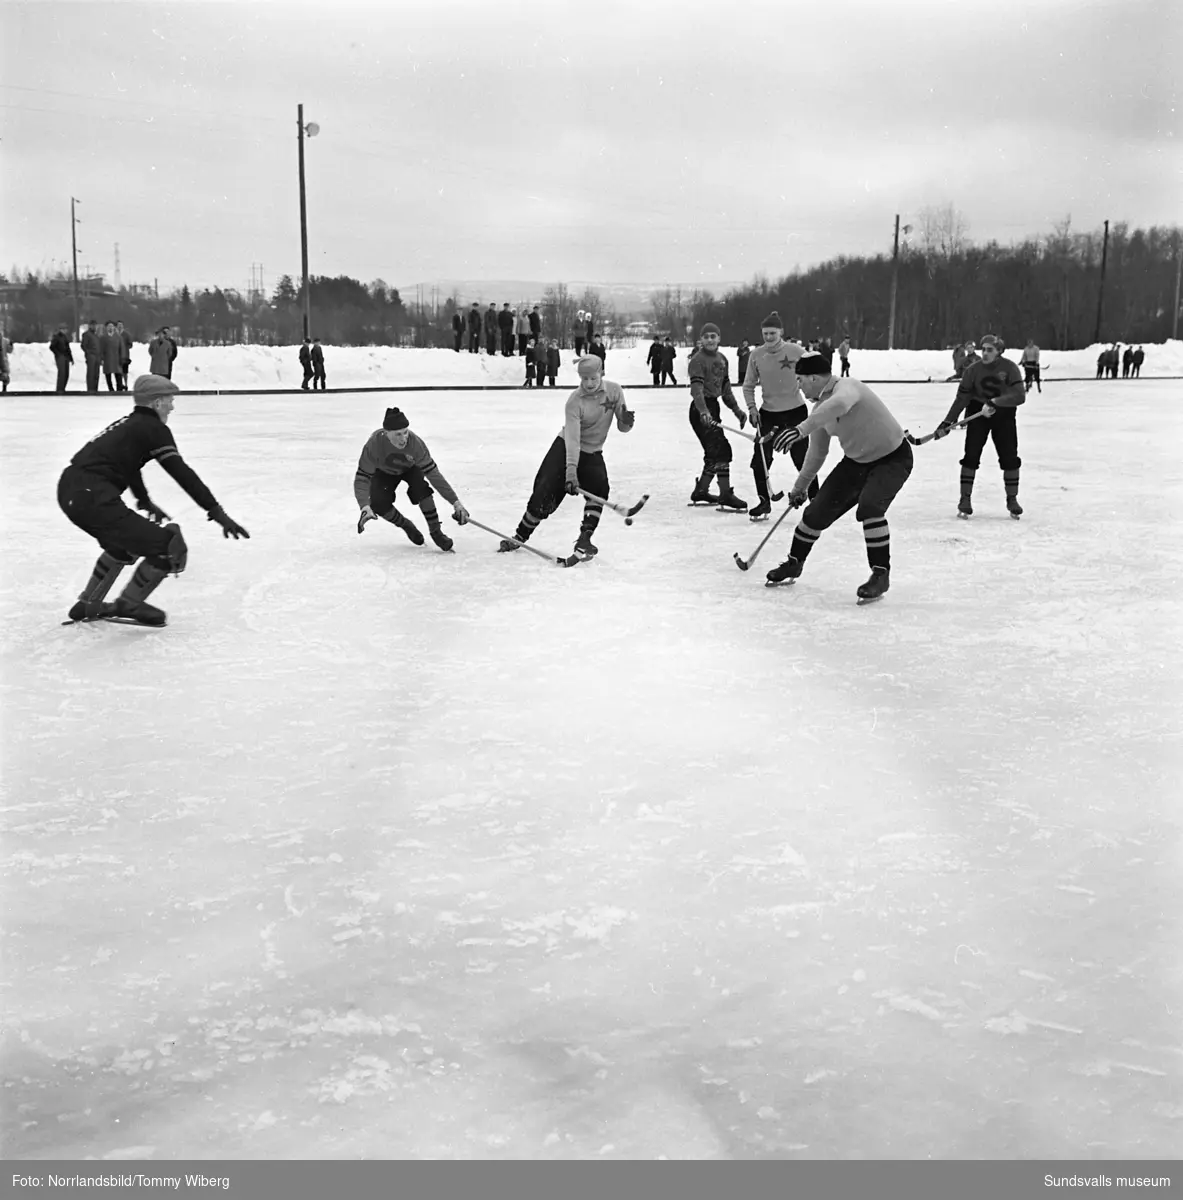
{"type": "Point", "coordinates": [779, 583]}
{"type": "Point", "coordinates": [1015, 516]}
{"type": "Point", "coordinates": [575, 559]}
{"type": "Point", "coordinates": [740, 512]}
{"type": "Point", "coordinates": [867, 600]}
{"type": "Point", "coordinates": [964, 516]}
{"type": "Point", "coordinates": [702, 504]}
{"type": "Point", "coordinates": [761, 517]}
{"type": "Point", "coordinates": [113, 621]}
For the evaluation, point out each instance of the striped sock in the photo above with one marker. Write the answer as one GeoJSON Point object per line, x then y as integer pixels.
{"type": "Point", "coordinates": [428, 509]}
{"type": "Point", "coordinates": [878, 539]}
{"type": "Point", "coordinates": [1010, 481]}
{"type": "Point", "coordinates": [967, 481]}
{"type": "Point", "coordinates": [591, 518]}
{"type": "Point", "coordinates": [526, 526]}
{"type": "Point", "coordinates": [803, 541]}
{"type": "Point", "coordinates": [723, 474]}
{"type": "Point", "coordinates": [143, 583]}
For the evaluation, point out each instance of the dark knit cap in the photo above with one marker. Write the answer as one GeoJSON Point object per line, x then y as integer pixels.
{"type": "Point", "coordinates": [395, 419]}
{"type": "Point", "coordinates": [709, 327]}
{"type": "Point", "coordinates": [772, 321]}
{"type": "Point", "coordinates": [814, 364]}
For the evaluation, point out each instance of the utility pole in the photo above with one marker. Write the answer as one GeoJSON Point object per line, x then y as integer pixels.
{"type": "Point", "coordinates": [1101, 289]}
{"type": "Point", "coordinates": [312, 131]}
{"type": "Point", "coordinates": [1178, 274]}
{"type": "Point", "coordinates": [895, 271]}
{"type": "Point", "coordinates": [117, 276]}
{"type": "Point", "coordinates": [74, 245]}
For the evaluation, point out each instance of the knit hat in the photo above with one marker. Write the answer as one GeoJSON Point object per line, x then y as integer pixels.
{"type": "Point", "coordinates": [814, 364]}
{"type": "Point", "coordinates": [772, 321]}
{"type": "Point", "coordinates": [590, 365]}
{"type": "Point", "coordinates": [709, 327]}
{"type": "Point", "coordinates": [151, 387]}
{"type": "Point", "coordinates": [395, 419]}
{"type": "Point", "coordinates": [991, 340]}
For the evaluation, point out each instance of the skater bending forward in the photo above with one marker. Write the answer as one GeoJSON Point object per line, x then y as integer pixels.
{"type": "Point", "coordinates": [576, 457]}
{"type": "Point", "coordinates": [876, 463]}
{"type": "Point", "coordinates": [90, 493]}
{"type": "Point", "coordinates": [394, 455]}
{"type": "Point", "coordinates": [993, 386]}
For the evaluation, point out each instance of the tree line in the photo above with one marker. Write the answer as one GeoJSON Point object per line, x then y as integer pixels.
{"type": "Point", "coordinates": [948, 290]}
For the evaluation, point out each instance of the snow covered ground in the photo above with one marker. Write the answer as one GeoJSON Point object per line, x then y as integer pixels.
{"type": "Point", "coordinates": [263, 367]}
{"type": "Point", "coordinates": [376, 851]}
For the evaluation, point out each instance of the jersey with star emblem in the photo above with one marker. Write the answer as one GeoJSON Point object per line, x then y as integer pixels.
{"type": "Point", "coordinates": [775, 373]}
{"type": "Point", "coordinates": [588, 417]}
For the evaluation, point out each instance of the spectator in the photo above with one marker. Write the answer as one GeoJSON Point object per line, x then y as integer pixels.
{"type": "Point", "coordinates": [318, 365]}
{"type": "Point", "coordinates": [474, 328]}
{"type": "Point", "coordinates": [552, 360]}
{"type": "Point", "coordinates": [112, 345]}
{"type": "Point", "coordinates": [1139, 358]}
{"type": "Point", "coordinates": [63, 356]}
{"type": "Point", "coordinates": [1127, 362]}
{"type": "Point", "coordinates": [505, 326]}
{"type": "Point", "coordinates": [598, 348]}
{"type": "Point", "coordinates": [162, 350]}
{"type": "Point", "coordinates": [536, 322]}
{"type": "Point", "coordinates": [126, 343]}
{"type": "Point", "coordinates": [5, 362]}
{"type": "Point", "coordinates": [668, 354]}
{"type": "Point", "coordinates": [522, 328]}
{"type": "Point", "coordinates": [458, 330]}
{"type": "Point", "coordinates": [590, 331]}
{"type": "Point", "coordinates": [653, 360]}
{"type": "Point", "coordinates": [741, 358]}
{"type": "Point", "coordinates": [1114, 359]}
{"type": "Point", "coordinates": [577, 333]}
{"type": "Point", "coordinates": [1102, 363]}
{"type": "Point", "coordinates": [491, 326]}
{"type": "Point", "coordinates": [92, 348]}
{"type": "Point", "coordinates": [971, 356]}
{"type": "Point", "coordinates": [306, 363]}
{"type": "Point", "coordinates": [844, 355]}
{"type": "Point", "coordinates": [530, 357]}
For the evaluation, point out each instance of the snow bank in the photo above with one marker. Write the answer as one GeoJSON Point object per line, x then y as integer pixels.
{"type": "Point", "coordinates": [266, 367]}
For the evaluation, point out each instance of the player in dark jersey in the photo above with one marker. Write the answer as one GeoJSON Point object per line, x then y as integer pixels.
{"type": "Point", "coordinates": [994, 383]}
{"type": "Point", "coordinates": [710, 381]}
{"type": "Point", "coordinates": [90, 493]}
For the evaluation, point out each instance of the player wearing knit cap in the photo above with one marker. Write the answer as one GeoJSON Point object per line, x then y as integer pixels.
{"type": "Point", "coordinates": [576, 457]}
{"type": "Point", "coordinates": [90, 493]}
{"type": "Point", "coordinates": [709, 382]}
{"type": "Point", "coordinates": [876, 464]}
{"type": "Point", "coordinates": [771, 367]}
{"type": "Point", "coordinates": [991, 385]}
{"type": "Point", "coordinates": [394, 455]}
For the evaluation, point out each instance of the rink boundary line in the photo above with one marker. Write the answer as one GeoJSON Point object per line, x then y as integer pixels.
{"type": "Point", "coordinates": [517, 387]}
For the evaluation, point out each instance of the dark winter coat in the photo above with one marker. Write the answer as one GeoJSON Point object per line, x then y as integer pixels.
{"type": "Point", "coordinates": [59, 344]}
{"type": "Point", "coordinates": [457, 323]}
{"type": "Point", "coordinates": [128, 342]}
{"type": "Point", "coordinates": [535, 323]}
{"type": "Point", "coordinates": [91, 344]}
{"type": "Point", "coordinates": [305, 355]}
{"type": "Point", "coordinates": [505, 321]}
{"type": "Point", "coordinates": [474, 320]}
{"type": "Point", "coordinates": [112, 352]}
{"type": "Point", "coordinates": [668, 354]}
{"type": "Point", "coordinates": [552, 360]}
{"type": "Point", "coordinates": [653, 358]}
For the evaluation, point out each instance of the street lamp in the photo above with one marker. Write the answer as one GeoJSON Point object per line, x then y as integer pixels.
{"type": "Point", "coordinates": [302, 131]}
{"type": "Point", "coordinates": [895, 271]}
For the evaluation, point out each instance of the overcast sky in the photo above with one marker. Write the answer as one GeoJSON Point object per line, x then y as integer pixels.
{"type": "Point", "coordinates": [646, 141]}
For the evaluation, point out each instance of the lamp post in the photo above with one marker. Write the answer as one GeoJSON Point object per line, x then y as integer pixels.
{"type": "Point", "coordinates": [302, 131]}
{"type": "Point", "coordinates": [895, 274]}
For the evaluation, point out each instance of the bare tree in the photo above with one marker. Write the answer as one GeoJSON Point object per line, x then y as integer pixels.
{"type": "Point", "coordinates": [943, 233]}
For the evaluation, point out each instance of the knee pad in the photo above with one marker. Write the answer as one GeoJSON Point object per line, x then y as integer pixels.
{"type": "Point", "coordinates": [175, 556]}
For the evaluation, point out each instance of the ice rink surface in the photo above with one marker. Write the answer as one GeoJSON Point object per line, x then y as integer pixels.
{"type": "Point", "coordinates": [380, 852]}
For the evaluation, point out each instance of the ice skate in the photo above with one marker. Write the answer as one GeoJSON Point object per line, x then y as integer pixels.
{"type": "Point", "coordinates": [1014, 507]}
{"type": "Point", "coordinates": [761, 512]}
{"type": "Point", "coordinates": [730, 502]}
{"type": "Point", "coordinates": [410, 529]}
{"type": "Point", "coordinates": [965, 510]}
{"type": "Point", "coordinates": [91, 610]}
{"type": "Point", "coordinates": [788, 572]}
{"type": "Point", "coordinates": [138, 611]}
{"type": "Point", "coordinates": [703, 495]}
{"type": "Point", "coordinates": [584, 549]}
{"type": "Point", "coordinates": [441, 539]}
{"type": "Point", "coordinates": [875, 587]}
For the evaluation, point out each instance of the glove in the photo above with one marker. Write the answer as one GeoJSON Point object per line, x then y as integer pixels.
{"type": "Point", "coordinates": [572, 487]}
{"type": "Point", "coordinates": [459, 513]}
{"type": "Point", "coordinates": [627, 419]}
{"type": "Point", "coordinates": [786, 438]}
{"type": "Point", "coordinates": [797, 497]}
{"type": "Point", "coordinates": [988, 410]}
{"type": "Point", "coordinates": [743, 421]}
{"type": "Point", "coordinates": [943, 430]}
{"type": "Point", "coordinates": [754, 417]}
{"type": "Point", "coordinates": [154, 513]}
{"type": "Point", "coordinates": [230, 527]}
{"type": "Point", "coordinates": [707, 420]}
{"type": "Point", "coordinates": [366, 515]}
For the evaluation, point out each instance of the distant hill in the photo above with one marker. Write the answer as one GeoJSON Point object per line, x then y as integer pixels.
{"type": "Point", "coordinates": [629, 299]}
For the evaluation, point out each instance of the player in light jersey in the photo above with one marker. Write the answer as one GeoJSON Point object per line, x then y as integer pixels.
{"type": "Point", "coordinates": [576, 457]}
{"type": "Point", "coordinates": [877, 462]}
{"type": "Point", "coordinates": [771, 367]}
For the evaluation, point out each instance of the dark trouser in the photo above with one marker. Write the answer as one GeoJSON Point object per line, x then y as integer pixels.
{"type": "Point", "coordinates": [670, 372]}
{"type": "Point", "coordinates": [774, 422]}
{"type": "Point", "coordinates": [491, 343]}
{"type": "Point", "coordinates": [63, 373]}
{"type": "Point", "coordinates": [523, 338]}
{"type": "Point", "coordinates": [507, 343]}
{"type": "Point", "coordinates": [474, 341]}
{"type": "Point", "coordinates": [550, 375]}
{"type": "Point", "coordinates": [383, 486]}
{"type": "Point", "coordinates": [307, 376]}
{"type": "Point", "coordinates": [96, 507]}
{"type": "Point", "coordinates": [1137, 371]}
{"type": "Point", "coordinates": [530, 375]}
{"type": "Point", "coordinates": [550, 482]}
{"type": "Point", "coordinates": [578, 346]}
{"type": "Point", "coordinates": [1031, 371]}
{"type": "Point", "coordinates": [459, 336]}
{"type": "Point", "coordinates": [112, 378]}
{"type": "Point", "coordinates": [124, 372]}
{"type": "Point", "coordinates": [318, 376]}
{"type": "Point", "coordinates": [716, 449]}
{"type": "Point", "coordinates": [872, 487]}
{"type": "Point", "coordinates": [92, 374]}
{"type": "Point", "coordinates": [845, 368]}
{"type": "Point", "coordinates": [1003, 428]}
{"type": "Point", "coordinates": [657, 377]}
